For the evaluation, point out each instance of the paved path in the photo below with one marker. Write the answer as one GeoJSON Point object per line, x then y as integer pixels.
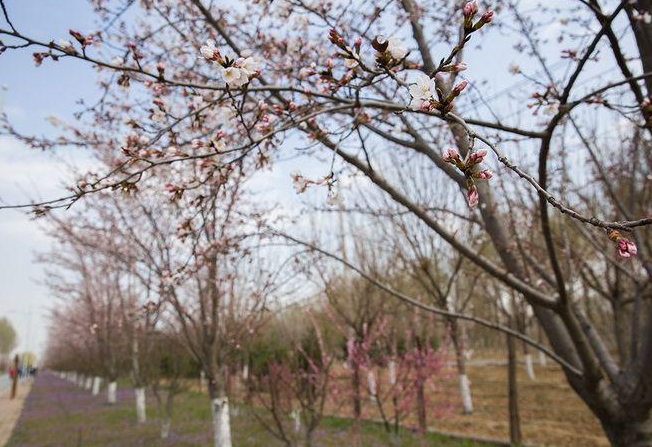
{"type": "Point", "coordinates": [10, 409]}
{"type": "Point", "coordinates": [5, 382]}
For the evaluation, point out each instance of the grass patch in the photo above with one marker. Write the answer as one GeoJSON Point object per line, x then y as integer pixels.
{"type": "Point", "coordinates": [57, 413]}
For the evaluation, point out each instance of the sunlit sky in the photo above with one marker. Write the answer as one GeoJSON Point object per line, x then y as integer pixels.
{"type": "Point", "coordinates": [33, 93]}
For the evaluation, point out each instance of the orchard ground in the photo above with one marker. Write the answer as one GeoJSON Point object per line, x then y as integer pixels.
{"type": "Point", "coordinates": [59, 413]}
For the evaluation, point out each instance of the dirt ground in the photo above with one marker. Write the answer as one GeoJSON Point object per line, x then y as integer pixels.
{"type": "Point", "coordinates": [10, 409]}
{"type": "Point", "coordinates": [551, 413]}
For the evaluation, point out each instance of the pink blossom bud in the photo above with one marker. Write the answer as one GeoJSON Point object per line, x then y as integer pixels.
{"type": "Point", "coordinates": [477, 157]}
{"type": "Point", "coordinates": [626, 248]}
{"type": "Point", "coordinates": [450, 155]}
{"type": "Point", "coordinates": [196, 143]}
{"type": "Point", "coordinates": [473, 197]}
{"type": "Point", "coordinates": [470, 9]}
{"type": "Point", "coordinates": [485, 174]}
{"type": "Point", "coordinates": [459, 87]}
{"type": "Point", "coordinates": [459, 66]}
{"type": "Point", "coordinates": [487, 16]}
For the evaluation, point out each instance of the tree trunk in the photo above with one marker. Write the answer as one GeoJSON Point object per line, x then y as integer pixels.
{"type": "Point", "coordinates": [543, 360]}
{"type": "Point", "coordinates": [357, 401]}
{"type": "Point", "coordinates": [371, 383]}
{"type": "Point", "coordinates": [643, 35]}
{"type": "Point", "coordinates": [465, 392]}
{"type": "Point", "coordinates": [165, 427]}
{"type": "Point", "coordinates": [512, 391]}
{"type": "Point", "coordinates": [421, 407]}
{"type": "Point", "coordinates": [97, 381]}
{"type": "Point", "coordinates": [220, 415]}
{"type": "Point", "coordinates": [465, 385]}
{"type": "Point", "coordinates": [629, 432]}
{"type": "Point", "coordinates": [111, 392]}
{"type": "Point", "coordinates": [529, 366]}
{"type": "Point", "coordinates": [141, 408]}
{"type": "Point", "coordinates": [167, 421]}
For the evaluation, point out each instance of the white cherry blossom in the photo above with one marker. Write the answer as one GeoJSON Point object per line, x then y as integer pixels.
{"type": "Point", "coordinates": [234, 77]}
{"type": "Point", "coordinates": [249, 65]}
{"type": "Point", "coordinates": [396, 48]}
{"type": "Point", "coordinates": [209, 51]}
{"type": "Point", "coordinates": [423, 89]}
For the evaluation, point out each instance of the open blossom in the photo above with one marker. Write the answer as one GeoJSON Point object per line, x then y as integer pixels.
{"type": "Point", "coordinates": [209, 51]}
{"type": "Point", "coordinates": [234, 77]}
{"type": "Point", "coordinates": [396, 48]}
{"type": "Point", "coordinates": [351, 63]}
{"type": "Point", "coordinates": [424, 88]}
{"type": "Point", "coordinates": [249, 65]}
{"type": "Point", "coordinates": [196, 102]}
{"type": "Point", "coordinates": [158, 115]}
{"type": "Point", "coordinates": [224, 115]}
{"type": "Point", "coordinates": [300, 182]}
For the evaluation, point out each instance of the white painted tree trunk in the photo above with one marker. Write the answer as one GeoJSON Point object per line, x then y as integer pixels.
{"type": "Point", "coordinates": [89, 383]}
{"type": "Point", "coordinates": [165, 428]}
{"type": "Point", "coordinates": [371, 382]}
{"type": "Point", "coordinates": [296, 417]}
{"type": "Point", "coordinates": [141, 409]}
{"type": "Point", "coordinates": [529, 366]}
{"type": "Point", "coordinates": [97, 381]}
{"type": "Point", "coordinates": [465, 392]}
{"type": "Point", "coordinates": [221, 422]}
{"type": "Point", "coordinates": [202, 380]}
{"type": "Point", "coordinates": [392, 372]}
{"type": "Point", "coordinates": [543, 359]}
{"type": "Point", "coordinates": [245, 372]}
{"type": "Point", "coordinates": [111, 392]}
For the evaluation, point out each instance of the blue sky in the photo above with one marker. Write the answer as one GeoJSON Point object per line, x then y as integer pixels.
{"type": "Point", "coordinates": [33, 94]}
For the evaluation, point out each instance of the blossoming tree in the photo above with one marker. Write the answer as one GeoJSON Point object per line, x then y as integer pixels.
{"type": "Point", "coordinates": [270, 74]}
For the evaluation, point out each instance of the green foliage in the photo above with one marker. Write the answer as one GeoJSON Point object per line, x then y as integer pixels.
{"type": "Point", "coordinates": [268, 347]}
{"type": "Point", "coordinates": [7, 336]}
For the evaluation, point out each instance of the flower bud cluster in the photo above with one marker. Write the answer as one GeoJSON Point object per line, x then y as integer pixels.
{"type": "Point", "coordinates": [626, 247]}
{"type": "Point", "coordinates": [470, 168]}
{"type": "Point", "coordinates": [470, 10]}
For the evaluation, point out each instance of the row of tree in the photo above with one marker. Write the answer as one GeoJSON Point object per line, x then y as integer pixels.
{"type": "Point", "coordinates": [559, 230]}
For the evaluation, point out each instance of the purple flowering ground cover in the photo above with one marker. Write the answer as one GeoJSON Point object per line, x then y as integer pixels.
{"type": "Point", "coordinates": [58, 413]}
